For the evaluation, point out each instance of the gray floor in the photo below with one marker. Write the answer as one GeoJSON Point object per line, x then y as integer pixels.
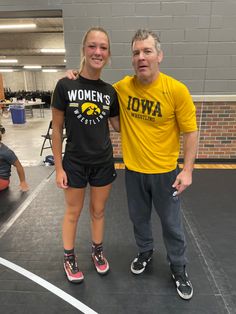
{"type": "Point", "coordinates": [30, 237]}
{"type": "Point", "coordinates": [25, 139]}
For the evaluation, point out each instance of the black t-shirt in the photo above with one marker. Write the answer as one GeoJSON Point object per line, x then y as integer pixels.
{"type": "Point", "coordinates": [87, 105]}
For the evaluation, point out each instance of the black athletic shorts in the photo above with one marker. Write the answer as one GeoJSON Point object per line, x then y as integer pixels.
{"type": "Point", "coordinates": [79, 175]}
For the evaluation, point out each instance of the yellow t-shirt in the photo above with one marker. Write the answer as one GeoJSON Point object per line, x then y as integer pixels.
{"type": "Point", "coordinates": [152, 117]}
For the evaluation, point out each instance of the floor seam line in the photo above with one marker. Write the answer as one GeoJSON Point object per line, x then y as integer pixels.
{"type": "Point", "coordinates": [19, 211]}
{"type": "Point", "coordinates": [196, 237]}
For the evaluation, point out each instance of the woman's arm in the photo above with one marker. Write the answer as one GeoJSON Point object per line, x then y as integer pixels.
{"type": "Point", "coordinates": [115, 122]}
{"type": "Point", "coordinates": [57, 133]}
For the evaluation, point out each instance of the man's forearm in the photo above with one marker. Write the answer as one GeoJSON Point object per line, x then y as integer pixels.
{"type": "Point", "coordinates": [190, 149]}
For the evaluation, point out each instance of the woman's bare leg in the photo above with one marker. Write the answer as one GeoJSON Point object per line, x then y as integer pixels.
{"type": "Point", "coordinates": [98, 198]}
{"type": "Point", "coordinates": [74, 203]}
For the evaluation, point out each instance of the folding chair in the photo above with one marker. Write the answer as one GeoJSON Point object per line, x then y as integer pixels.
{"type": "Point", "coordinates": [48, 138]}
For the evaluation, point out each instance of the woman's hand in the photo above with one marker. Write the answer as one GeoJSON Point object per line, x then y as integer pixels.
{"type": "Point", "coordinates": [61, 179]}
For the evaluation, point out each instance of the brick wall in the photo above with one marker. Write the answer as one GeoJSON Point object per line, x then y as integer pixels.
{"type": "Point", "coordinates": [217, 132]}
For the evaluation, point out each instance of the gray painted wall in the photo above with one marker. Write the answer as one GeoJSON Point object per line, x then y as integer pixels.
{"type": "Point", "coordinates": [198, 36]}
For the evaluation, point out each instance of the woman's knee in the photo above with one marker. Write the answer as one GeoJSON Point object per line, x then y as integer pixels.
{"type": "Point", "coordinates": [72, 213]}
{"type": "Point", "coordinates": [97, 213]}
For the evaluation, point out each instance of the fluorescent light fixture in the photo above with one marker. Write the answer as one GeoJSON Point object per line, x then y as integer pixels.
{"type": "Point", "coordinates": [8, 60]}
{"type": "Point", "coordinates": [6, 70]}
{"type": "Point", "coordinates": [17, 26]}
{"type": "Point", "coordinates": [53, 50]}
{"type": "Point", "coordinates": [49, 70]}
{"type": "Point", "coordinates": [32, 66]}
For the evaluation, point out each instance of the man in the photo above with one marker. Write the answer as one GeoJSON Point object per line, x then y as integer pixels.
{"type": "Point", "coordinates": [154, 110]}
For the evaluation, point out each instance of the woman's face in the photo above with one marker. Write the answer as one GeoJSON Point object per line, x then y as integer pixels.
{"type": "Point", "coordinates": [96, 50]}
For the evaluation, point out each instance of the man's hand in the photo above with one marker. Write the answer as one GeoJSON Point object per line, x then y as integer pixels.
{"type": "Point", "coordinates": [72, 74]}
{"type": "Point", "coordinates": [183, 180]}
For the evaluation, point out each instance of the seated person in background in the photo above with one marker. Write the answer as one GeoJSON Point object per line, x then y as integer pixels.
{"type": "Point", "coordinates": [7, 159]}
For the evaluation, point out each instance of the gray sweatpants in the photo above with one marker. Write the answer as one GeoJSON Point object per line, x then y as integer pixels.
{"type": "Point", "coordinates": [145, 190]}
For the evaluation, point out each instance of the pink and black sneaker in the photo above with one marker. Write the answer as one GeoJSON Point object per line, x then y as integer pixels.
{"type": "Point", "coordinates": [100, 262]}
{"type": "Point", "coordinates": [71, 269]}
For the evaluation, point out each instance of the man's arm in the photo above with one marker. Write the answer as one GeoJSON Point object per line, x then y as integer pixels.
{"type": "Point", "coordinates": [72, 74]}
{"type": "Point", "coordinates": [184, 178]}
{"type": "Point", "coordinates": [190, 149]}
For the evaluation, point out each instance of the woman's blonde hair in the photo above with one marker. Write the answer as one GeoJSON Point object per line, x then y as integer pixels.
{"type": "Point", "coordinates": [92, 29]}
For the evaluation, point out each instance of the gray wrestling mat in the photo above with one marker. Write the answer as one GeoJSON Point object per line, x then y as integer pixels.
{"type": "Point", "coordinates": [32, 278]}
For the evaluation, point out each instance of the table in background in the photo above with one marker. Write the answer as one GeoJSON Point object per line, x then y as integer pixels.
{"type": "Point", "coordinates": [30, 104]}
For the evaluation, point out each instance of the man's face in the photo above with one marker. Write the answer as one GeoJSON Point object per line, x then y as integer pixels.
{"type": "Point", "coordinates": [146, 59]}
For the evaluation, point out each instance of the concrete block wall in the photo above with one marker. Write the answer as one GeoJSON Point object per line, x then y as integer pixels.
{"type": "Point", "coordinates": [198, 36]}
{"type": "Point", "coordinates": [199, 42]}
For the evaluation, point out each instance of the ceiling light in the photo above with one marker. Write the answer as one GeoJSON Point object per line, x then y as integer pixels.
{"type": "Point", "coordinates": [8, 60]}
{"type": "Point", "coordinates": [53, 50]}
{"type": "Point", "coordinates": [6, 70]}
{"type": "Point", "coordinates": [32, 66]}
{"type": "Point", "coordinates": [49, 70]}
{"type": "Point", "coordinates": [17, 26]}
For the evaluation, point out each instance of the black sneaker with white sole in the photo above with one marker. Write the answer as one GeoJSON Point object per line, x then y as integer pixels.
{"type": "Point", "coordinates": [140, 262]}
{"type": "Point", "coordinates": [183, 285]}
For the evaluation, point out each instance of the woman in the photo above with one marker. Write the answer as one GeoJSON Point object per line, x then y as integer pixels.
{"type": "Point", "coordinates": [85, 105]}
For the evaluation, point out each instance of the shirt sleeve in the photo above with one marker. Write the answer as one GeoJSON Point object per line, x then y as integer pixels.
{"type": "Point", "coordinates": [58, 97]}
{"type": "Point", "coordinates": [185, 110]}
{"type": "Point", "coordinates": [10, 156]}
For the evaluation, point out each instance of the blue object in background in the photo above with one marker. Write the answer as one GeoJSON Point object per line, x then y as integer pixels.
{"type": "Point", "coordinates": [17, 114]}
{"type": "Point", "coordinates": [49, 160]}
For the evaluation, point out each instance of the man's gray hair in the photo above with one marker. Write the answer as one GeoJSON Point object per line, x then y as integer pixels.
{"type": "Point", "coordinates": [143, 34]}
